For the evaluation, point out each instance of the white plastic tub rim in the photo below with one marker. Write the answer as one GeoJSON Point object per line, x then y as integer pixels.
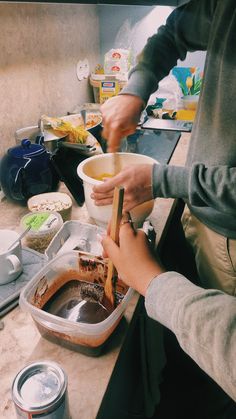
{"type": "Point", "coordinates": [60, 325]}
{"type": "Point", "coordinates": [107, 156]}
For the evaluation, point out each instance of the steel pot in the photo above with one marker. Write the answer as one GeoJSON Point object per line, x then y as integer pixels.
{"type": "Point", "coordinates": [34, 134]}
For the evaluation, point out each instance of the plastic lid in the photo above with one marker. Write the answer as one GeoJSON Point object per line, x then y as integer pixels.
{"type": "Point", "coordinates": [41, 222]}
{"type": "Point", "coordinates": [27, 149]}
{"type": "Point", "coordinates": [39, 385]}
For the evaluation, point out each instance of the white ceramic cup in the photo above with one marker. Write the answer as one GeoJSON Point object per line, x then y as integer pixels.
{"type": "Point", "coordinates": [10, 257]}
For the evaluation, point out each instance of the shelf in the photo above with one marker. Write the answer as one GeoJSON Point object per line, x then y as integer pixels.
{"type": "Point", "coordinates": [108, 2]}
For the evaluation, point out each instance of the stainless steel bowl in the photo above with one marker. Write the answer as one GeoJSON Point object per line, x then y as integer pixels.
{"type": "Point", "coordinates": [34, 134]}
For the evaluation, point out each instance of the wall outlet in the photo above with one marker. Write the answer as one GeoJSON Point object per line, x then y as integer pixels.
{"type": "Point", "coordinates": [82, 69]}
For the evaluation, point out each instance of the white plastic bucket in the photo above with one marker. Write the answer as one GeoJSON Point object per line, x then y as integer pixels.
{"type": "Point", "coordinates": [94, 167]}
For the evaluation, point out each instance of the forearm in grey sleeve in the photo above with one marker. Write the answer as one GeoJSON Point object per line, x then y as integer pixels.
{"type": "Point", "coordinates": [201, 186]}
{"type": "Point", "coordinates": [204, 322]}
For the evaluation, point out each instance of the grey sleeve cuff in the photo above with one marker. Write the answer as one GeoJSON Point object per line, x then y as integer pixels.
{"type": "Point", "coordinates": [141, 83]}
{"type": "Point", "coordinates": [170, 181]}
{"type": "Point", "coordinates": [164, 295]}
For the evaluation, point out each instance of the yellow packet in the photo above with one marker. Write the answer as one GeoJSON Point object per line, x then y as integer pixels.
{"type": "Point", "coordinates": [108, 89]}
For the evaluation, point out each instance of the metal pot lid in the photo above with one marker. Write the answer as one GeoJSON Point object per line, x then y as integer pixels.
{"type": "Point", "coordinates": [27, 149]}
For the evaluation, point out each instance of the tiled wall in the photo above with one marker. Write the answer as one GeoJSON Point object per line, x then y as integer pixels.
{"type": "Point", "coordinates": [40, 45]}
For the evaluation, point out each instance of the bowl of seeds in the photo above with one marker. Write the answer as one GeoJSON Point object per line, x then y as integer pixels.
{"type": "Point", "coordinates": [52, 202]}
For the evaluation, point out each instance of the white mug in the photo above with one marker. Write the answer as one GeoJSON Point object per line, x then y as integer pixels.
{"type": "Point", "coordinates": [10, 257]}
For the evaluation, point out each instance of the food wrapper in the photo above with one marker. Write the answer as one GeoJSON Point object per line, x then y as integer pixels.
{"type": "Point", "coordinates": [75, 134]}
{"type": "Point", "coordinates": [117, 61]}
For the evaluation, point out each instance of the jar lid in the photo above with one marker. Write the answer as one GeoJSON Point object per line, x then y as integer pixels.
{"type": "Point", "coordinates": [41, 222]}
{"type": "Point", "coordinates": [39, 386]}
{"type": "Point", "coordinates": [27, 149]}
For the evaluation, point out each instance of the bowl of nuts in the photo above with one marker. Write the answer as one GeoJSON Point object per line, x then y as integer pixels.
{"type": "Point", "coordinates": [52, 202]}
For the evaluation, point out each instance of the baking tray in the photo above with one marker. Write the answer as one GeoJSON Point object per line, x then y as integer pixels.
{"type": "Point", "coordinates": [158, 144]}
{"type": "Point", "coordinates": [168, 125]}
{"type": "Point", "coordinates": [9, 293]}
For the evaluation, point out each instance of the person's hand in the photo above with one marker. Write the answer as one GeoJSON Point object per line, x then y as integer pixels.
{"type": "Point", "coordinates": [120, 116]}
{"type": "Point", "coordinates": [137, 182]}
{"type": "Point", "coordinates": [133, 259]}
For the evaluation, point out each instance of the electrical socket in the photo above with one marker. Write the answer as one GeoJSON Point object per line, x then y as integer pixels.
{"type": "Point", "coordinates": [82, 69]}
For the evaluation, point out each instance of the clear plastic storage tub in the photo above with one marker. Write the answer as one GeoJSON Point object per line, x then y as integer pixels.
{"type": "Point", "coordinates": [83, 337]}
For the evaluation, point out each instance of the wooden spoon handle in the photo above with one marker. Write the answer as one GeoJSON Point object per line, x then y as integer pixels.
{"type": "Point", "coordinates": [114, 233]}
{"type": "Point", "coordinates": [116, 163]}
{"type": "Point", "coordinates": [109, 299]}
{"type": "Point", "coordinates": [117, 207]}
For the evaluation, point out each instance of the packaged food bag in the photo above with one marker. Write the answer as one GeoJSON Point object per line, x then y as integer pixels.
{"type": "Point", "coordinates": [117, 61]}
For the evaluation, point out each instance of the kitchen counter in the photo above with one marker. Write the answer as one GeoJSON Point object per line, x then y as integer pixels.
{"type": "Point", "coordinates": [21, 343]}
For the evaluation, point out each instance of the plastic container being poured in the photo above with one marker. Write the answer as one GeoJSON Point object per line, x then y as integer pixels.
{"type": "Point", "coordinates": [66, 281]}
{"type": "Point", "coordinates": [93, 303]}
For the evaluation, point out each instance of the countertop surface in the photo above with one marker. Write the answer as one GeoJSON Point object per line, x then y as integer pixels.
{"type": "Point", "coordinates": [21, 343]}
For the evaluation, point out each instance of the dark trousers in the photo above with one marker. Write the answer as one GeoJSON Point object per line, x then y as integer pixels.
{"type": "Point", "coordinates": [186, 391]}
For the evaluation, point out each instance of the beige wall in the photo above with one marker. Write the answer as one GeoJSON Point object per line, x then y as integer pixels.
{"type": "Point", "coordinates": [40, 46]}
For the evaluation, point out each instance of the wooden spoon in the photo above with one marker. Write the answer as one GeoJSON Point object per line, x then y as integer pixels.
{"type": "Point", "coordinates": [116, 163]}
{"type": "Point", "coordinates": [108, 298]}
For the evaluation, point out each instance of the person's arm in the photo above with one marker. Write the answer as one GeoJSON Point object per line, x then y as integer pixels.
{"type": "Point", "coordinates": [202, 186]}
{"type": "Point", "coordinates": [186, 29]}
{"type": "Point", "coordinates": [204, 322]}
